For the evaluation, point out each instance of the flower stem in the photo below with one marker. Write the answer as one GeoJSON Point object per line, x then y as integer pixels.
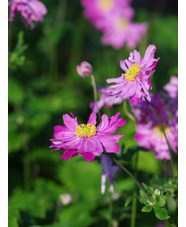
{"type": "Point", "coordinates": [129, 115]}
{"type": "Point", "coordinates": [95, 95]}
{"type": "Point", "coordinates": [110, 209]}
{"type": "Point", "coordinates": [134, 200]}
{"type": "Point", "coordinates": [130, 174]}
{"type": "Point", "coordinates": [163, 130]}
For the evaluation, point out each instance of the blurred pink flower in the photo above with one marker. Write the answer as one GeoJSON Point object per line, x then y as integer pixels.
{"type": "Point", "coordinates": [84, 69]}
{"type": "Point", "coordinates": [149, 133]}
{"type": "Point", "coordinates": [30, 10]}
{"type": "Point", "coordinates": [114, 19]}
{"type": "Point", "coordinates": [88, 139]}
{"type": "Point", "coordinates": [105, 99]}
{"type": "Point", "coordinates": [172, 93]}
{"type": "Point", "coordinates": [108, 171]}
{"type": "Point", "coordinates": [135, 82]}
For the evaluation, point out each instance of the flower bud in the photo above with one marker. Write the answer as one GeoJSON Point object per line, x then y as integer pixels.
{"type": "Point", "coordinates": [157, 192]}
{"type": "Point", "coordinates": [84, 69]}
{"type": "Point", "coordinates": [65, 199]}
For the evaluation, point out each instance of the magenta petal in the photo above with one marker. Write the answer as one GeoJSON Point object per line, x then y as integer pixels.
{"type": "Point", "coordinates": [92, 119]}
{"type": "Point", "coordinates": [70, 123]}
{"type": "Point", "coordinates": [89, 157]}
{"type": "Point", "coordinates": [135, 100]}
{"type": "Point", "coordinates": [68, 154]}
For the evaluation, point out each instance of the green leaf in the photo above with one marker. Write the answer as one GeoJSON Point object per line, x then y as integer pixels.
{"type": "Point", "coordinates": [161, 213]}
{"type": "Point", "coordinates": [161, 201]}
{"type": "Point", "coordinates": [143, 198]}
{"type": "Point", "coordinates": [146, 209]}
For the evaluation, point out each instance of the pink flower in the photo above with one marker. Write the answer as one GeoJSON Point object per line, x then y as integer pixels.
{"type": "Point", "coordinates": [108, 171]}
{"type": "Point", "coordinates": [135, 82]}
{"type": "Point", "coordinates": [121, 31]}
{"type": "Point", "coordinates": [88, 139]}
{"type": "Point", "coordinates": [114, 19]}
{"type": "Point", "coordinates": [149, 133]}
{"type": "Point", "coordinates": [172, 93]}
{"type": "Point", "coordinates": [84, 69]}
{"type": "Point", "coordinates": [105, 99]}
{"type": "Point", "coordinates": [30, 10]}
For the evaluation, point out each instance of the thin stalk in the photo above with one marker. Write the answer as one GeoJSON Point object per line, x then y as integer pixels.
{"type": "Point", "coordinates": [130, 174]}
{"type": "Point", "coordinates": [163, 130]}
{"type": "Point", "coordinates": [134, 201]}
{"type": "Point", "coordinates": [129, 115]}
{"type": "Point", "coordinates": [110, 209]}
{"type": "Point", "coordinates": [95, 95]}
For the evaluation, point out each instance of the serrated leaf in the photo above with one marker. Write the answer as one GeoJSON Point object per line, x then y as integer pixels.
{"type": "Point", "coordinates": [143, 198]}
{"type": "Point", "coordinates": [161, 213]}
{"type": "Point", "coordinates": [146, 209]}
{"type": "Point", "coordinates": [161, 201]}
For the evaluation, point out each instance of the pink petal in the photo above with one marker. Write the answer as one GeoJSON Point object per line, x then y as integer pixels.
{"type": "Point", "coordinates": [92, 119]}
{"type": "Point", "coordinates": [89, 157]}
{"type": "Point", "coordinates": [68, 154]}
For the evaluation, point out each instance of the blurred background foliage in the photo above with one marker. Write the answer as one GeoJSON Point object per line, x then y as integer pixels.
{"type": "Point", "coordinates": [43, 85]}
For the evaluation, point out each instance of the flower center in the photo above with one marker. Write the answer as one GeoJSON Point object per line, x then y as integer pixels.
{"type": "Point", "coordinates": [122, 24]}
{"type": "Point", "coordinates": [158, 131]}
{"type": "Point", "coordinates": [86, 130]}
{"type": "Point", "coordinates": [132, 72]}
{"type": "Point", "coordinates": [105, 4]}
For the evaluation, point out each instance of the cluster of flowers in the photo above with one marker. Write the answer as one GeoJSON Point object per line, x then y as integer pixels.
{"type": "Point", "coordinates": [30, 11]}
{"type": "Point", "coordinates": [114, 18]}
{"type": "Point", "coordinates": [90, 140]}
{"type": "Point", "coordinates": [134, 85]}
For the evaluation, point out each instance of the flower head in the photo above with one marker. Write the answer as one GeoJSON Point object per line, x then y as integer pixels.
{"type": "Point", "coordinates": [135, 82]}
{"type": "Point", "coordinates": [84, 69]}
{"type": "Point", "coordinates": [114, 19]}
{"type": "Point", "coordinates": [148, 131]}
{"type": "Point", "coordinates": [88, 139]}
{"type": "Point", "coordinates": [105, 99]}
{"type": "Point", "coordinates": [108, 171]}
{"type": "Point", "coordinates": [30, 10]}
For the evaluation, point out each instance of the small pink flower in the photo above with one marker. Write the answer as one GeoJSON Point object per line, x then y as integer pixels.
{"type": "Point", "coordinates": [88, 139]}
{"type": "Point", "coordinates": [105, 99]}
{"type": "Point", "coordinates": [30, 10]}
{"type": "Point", "coordinates": [135, 82]}
{"type": "Point", "coordinates": [108, 171]}
{"type": "Point", "coordinates": [84, 69]}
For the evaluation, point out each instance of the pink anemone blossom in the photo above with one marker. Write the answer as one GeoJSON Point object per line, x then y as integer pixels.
{"type": "Point", "coordinates": [135, 82]}
{"type": "Point", "coordinates": [148, 130]}
{"type": "Point", "coordinates": [88, 139]}
{"type": "Point", "coordinates": [108, 171]}
{"type": "Point", "coordinates": [30, 10]}
{"type": "Point", "coordinates": [114, 19]}
{"type": "Point", "coordinates": [105, 99]}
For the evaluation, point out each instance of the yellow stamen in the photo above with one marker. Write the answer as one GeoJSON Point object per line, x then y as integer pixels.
{"type": "Point", "coordinates": [122, 24]}
{"type": "Point", "coordinates": [86, 130]}
{"type": "Point", "coordinates": [106, 4]}
{"type": "Point", "coordinates": [158, 131]}
{"type": "Point", "coordinates": [132, 72]}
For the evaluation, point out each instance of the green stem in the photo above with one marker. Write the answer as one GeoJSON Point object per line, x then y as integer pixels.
{"type": "Point", "coordinates": [134, 201]}
{"type": "Point", "coordinates": [110, 209]}
{"type": "Point", "coordinates": [95, 95]}
{"type": "Point", "coordinates": [130, 174]}
{"type": "Point", "coordinates": [163, 130]}
{"type": "Point", "coordinates": [129, 115]}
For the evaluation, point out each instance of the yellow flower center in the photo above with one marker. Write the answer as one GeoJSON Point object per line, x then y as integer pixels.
{"type": "Point", "coordinates": [86, 130]}
{"type": "Point", "coordinates": [132, 72]}
{"type": "Point", "coordinates": [158, 131]}
{"type": "Point", "coordinates": [122, 24]}
{"type": "Point", "coordinates": [106, 4]}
